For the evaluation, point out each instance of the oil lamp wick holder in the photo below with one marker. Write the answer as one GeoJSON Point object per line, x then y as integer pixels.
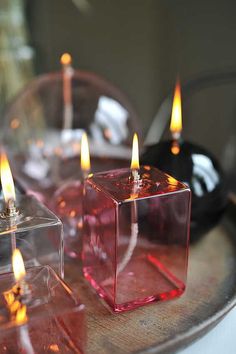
{"type": "Point", "coordinates": [11, 211]}
{"type": "Point", "coordinates": [32, 228]}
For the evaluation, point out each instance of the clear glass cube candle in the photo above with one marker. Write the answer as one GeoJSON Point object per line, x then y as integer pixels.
{"type": "Point", "coordinates": [36, 231]}
{"type": "Point", "coordinates": [55, 317]}
{"type": "Point", "coordinates": [136, 236]}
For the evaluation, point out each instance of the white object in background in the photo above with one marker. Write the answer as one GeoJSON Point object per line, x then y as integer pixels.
{"type": "Point", "coordinates": [221, 339]}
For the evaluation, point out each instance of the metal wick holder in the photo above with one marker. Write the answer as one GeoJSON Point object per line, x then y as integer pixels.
{"type": "Point", "coordinates": [11, 210]}
{"type": "Point", "coordinates": [35, 230]}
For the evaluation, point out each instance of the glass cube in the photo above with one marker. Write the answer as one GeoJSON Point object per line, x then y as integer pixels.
{"type": "Point", "coordinates": [55, 317]}
{"type": "Point", "coordinates": [36, 231]}
{"type": "Point", "coordinates": [136, 236]}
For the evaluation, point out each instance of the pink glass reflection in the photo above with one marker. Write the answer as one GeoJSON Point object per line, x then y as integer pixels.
{"type": "Point", "coordinates": [66, 203]}
{"type": "Point", "coordinates": [135, 248]}
{"type": "Point", "coordinates": [55, 317]}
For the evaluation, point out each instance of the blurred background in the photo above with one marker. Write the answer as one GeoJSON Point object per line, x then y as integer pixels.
{"type": "Point", "coordinates": [141, 47]}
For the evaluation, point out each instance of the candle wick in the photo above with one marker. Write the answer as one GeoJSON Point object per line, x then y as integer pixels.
{"type": "Point", "coordinates": [135, 176]}
{"type": "Point", "coordinates": [67, 96]}
{"type": "Point", "coordinates": [136, 180]}
{"type": "Point", "coordinates": [176, 135]}
{"type": "Point", "coordinates": [25, 340]}
{"type": "Point", "coordinates": [85, 174]}
{"type": "Point", "coordinates": [22, 292]}
{"type": "Point", "coordinates": [134, 223]}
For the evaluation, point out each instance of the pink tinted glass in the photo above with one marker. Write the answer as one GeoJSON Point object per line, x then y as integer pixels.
{"type": "Point", "coordinates": [135, 248]}
{"type": "Point", "coordinates": [55, 317]}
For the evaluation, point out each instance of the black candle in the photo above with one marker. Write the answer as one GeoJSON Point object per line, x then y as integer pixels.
{"type": "Point", "coordinates": [194, 166]}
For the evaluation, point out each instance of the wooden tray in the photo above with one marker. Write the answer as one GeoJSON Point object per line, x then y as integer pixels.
{"type": "Point", "coordinates": [168, 326]}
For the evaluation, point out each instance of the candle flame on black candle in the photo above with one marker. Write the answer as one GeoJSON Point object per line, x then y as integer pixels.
{"type": "Point", "coordinates": [176, 116]}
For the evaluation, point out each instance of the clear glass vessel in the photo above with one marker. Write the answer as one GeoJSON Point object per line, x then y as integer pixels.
{"type": "Point", "coordinates": [55, 319]}
{"type": "Point", "coordinates": [136, 236]}
{"type": "Point", "coordinates": [35, 136]}
{"type": "Point", "coordinates": [36, 231]}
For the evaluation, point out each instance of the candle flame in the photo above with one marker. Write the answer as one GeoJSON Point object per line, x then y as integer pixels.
{"type": "Point", "coordinates": [17, 309]}
{"type": "Point", "coordinates": [7, 179]}
{"type": "Point", "coordinates": [21, 315]}
{"type": "Point", "coordinates": [54, 348]}
{"type": "Point", "coordinates": [66, 59]}
{"type": "Point", "coordinates": [176, 116]}
{"type": "Point", "coordinates": [85, 156]}
{"type": "Point", "coordinates": [18, 265]}
{"type": "Point", "coordinates": [135, 153]}
{"type": "Point", "coordinates": [9, 297]}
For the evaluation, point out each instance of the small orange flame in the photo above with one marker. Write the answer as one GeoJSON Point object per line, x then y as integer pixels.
{"type": "Point", "coordinates": [21, 315]}
{"type": "Point", "coordinates": [9, 297]}
{"type": "Point", "coordinates": [66, 59]}
{"type": "Point", "coordinates": [135, 154]}
{"type": "Point", "coordinates": [54, 348]}
{"type": "Point", "coordinates": [72, 213]}
{"type": "Point", "coordinates": [18, 265]}
{"type": "Point", "coordinates": [17, 309]}
{"type": "Point", "coordinates": [85, 156]}
{"type": "Point", "coordinates": [176, 116]}
{"type": "Point", "coordinates": [7, 179]}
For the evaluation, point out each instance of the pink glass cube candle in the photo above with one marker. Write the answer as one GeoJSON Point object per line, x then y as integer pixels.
{"type": "Point", "coordinates": [136, 236]}
{"type": "Point", "coordinates": [55, 317]}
